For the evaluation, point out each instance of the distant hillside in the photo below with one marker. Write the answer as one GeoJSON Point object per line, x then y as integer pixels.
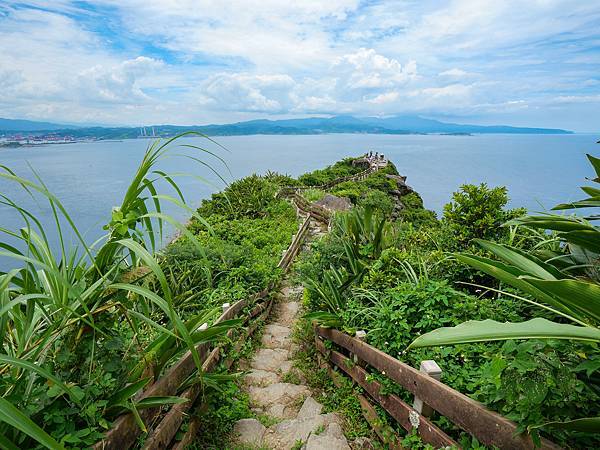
{"type": "Point", "coordinates": [30, 125]}
{"type": "Point", "coordinates": [401, 124]}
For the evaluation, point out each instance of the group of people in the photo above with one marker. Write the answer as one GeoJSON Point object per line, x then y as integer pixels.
{"type": "Point", "coordinates": [374, 158]}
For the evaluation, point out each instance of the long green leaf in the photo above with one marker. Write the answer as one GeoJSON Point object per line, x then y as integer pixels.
{"type": "Point", "coordinates": [511, 275]}
{"type": "Point", "coordinates": [522, 261]}
{"type": "Point", "coordinates": [581, 296]}
{"type": "Point", "coordinates": [552, 222]}
{"type": "Point", "coordinates": [490, 330]}
{"type": "Point", "coordinates": [15, 418]}
{"type": "Point", "coordinates": [23, 364]}
{"type": "Point", "coordinates": [587, 239]}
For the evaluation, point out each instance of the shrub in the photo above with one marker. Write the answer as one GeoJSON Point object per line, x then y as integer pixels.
{"type": "Point", "coordinates": [340, 169]}
{"type": "Point", "coordinates": [476, 212]}
{"type": "Point", "coordinates": [248, 197]}
{"type": "Point", "coordinates": [536, 381]}
{"type": "Point", "coordinates": [378, 201]}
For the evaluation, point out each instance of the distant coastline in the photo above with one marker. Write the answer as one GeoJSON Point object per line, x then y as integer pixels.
{"type": "Point", "coordinates": [24, 132]}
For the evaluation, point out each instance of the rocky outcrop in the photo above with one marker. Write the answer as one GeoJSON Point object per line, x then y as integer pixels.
{"type": "Point", "coordinates": [361, 162]}
{"type": "Point", "coordinates": [401, 190]}
{"type": "Point", "coordinates": [333, 203]}
{"type": "Point", "coordinates": [402, 187]}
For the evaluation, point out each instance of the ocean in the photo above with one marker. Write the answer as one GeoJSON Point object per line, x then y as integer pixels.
{"type": "Point", "coordinates": [90, 178]}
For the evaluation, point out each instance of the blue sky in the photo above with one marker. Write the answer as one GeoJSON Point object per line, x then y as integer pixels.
{"type": "Point", "coordinates": [135, 62]}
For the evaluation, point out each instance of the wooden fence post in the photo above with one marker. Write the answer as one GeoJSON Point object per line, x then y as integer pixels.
{"type": "Point", "coordinates": [361, 336]}
{"type": "Point", "coordinates": [431, 368]}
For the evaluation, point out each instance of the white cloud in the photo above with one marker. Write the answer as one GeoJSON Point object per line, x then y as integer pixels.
{"type": "Point", "coordinates": [454, 73]}
{"type": "Point", "coordinates": [385, 98]}
{"type": "Point", "coordinates": [246, 58]}
{"type": "Point", "coordinates": [247, 92]}
{"type": "Point", "coordinates": [366, 69]}
{"type": "Point", "coordinates": [118, 83]}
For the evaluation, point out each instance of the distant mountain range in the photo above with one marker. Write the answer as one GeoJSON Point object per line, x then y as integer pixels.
{"type": "Point", "coordinates": [30, 125]}
{"type": "Point", "coordinates": [400, 124]}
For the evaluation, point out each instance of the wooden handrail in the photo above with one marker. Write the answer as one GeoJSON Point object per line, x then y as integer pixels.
{"type": "Point", "coordinates": [125, 430]}
{"type": "Point", "coordinates": [489, 427]}
{"type": "Point", "coordinates": [398, 409]}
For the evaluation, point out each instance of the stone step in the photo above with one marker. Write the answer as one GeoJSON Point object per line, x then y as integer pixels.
{"type": "Point", "coordinates": [276, 336]}
{"type": "Point", "coordinates": [331, 439]}
{"type": "Point", "coordinates": [287, 433]}
{"type": "Point", "coordinates": [248, 432]}
{"type": "Point", "coordinates": [310, 408]}
{"type": "Point", "coordinates": [286, 313]}
{"type": "Point", "coordinates": [261, 378]}
{"type": "Point", "coordinates": [272, 360]}
{"type": "Point", "coordinates": [280, 400]}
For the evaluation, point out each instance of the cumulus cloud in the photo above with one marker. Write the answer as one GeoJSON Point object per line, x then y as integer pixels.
{"type": "Point", "coordinates": [366, 69]}
{"type": "Point", "coordinates": [388, 97]}
{"type": "Point", "coordinates": [247, 92]}
{"type": "Point", "coordinates": [118, 83]}
{"type": "Point", "coordinates": [355, 78]}
{"type": "Point", "coordinates": [454, 73]}
{"type": "Point", "coordinates": [192, 60]}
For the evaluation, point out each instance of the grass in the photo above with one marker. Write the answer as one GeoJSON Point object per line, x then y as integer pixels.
{"type": "Point", "coordinates": [75, 323]}
{"type": "Point", "coordinates": [291, 377]}
{"type": "Point", "coordinates": [342, 400]}
{"type": "Point", "coordinates": [313, 195]}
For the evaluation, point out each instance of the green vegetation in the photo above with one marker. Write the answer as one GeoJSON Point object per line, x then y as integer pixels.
{"type": "Point", "coordinates": [506, 303]}
{"type": "Point", "coordinates": [424, 288]}
{"type": "Point", "coordinates": [85, 329]}
{"type": "Point", "coordinates": [81, 333]}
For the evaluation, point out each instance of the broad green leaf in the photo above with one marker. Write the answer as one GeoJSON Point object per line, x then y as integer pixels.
{"type": "Point", "coordinates": [591, 191]}
{"type": "Point", "coordinates": [587, 239]}
{"type": "Point", "coordinates": [512, 276]}
{"type": "Point", "coordinates": [596, 163]}
{"type": "Point", "coordinates": [592, 202]}
{"type": "Point", "coordinates": [581, 296]}
{"type": "Point", "coordinates": [526, 263]}
{"type": "Point", "coordinates": [490, 330]}
{"type": "Point", "coordinates": [128, 391]}
{"type": "Point", "coordinates": [551, 222]}
{"type": "Point", "coordinates": [15, 418]}
{"type": "Point", "coordinates": [151, 402]}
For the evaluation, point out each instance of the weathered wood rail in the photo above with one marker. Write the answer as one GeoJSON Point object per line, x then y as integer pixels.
{"type": "Point", "coordinates": [471, 416]}
{"type": "Point", "coordinates": [162, 427]}
{"type": "Point", "coordinates": [125, 430]}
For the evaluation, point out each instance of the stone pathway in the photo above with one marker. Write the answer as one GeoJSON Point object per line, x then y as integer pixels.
{"type": "Point", "coordinates": [300, 422]}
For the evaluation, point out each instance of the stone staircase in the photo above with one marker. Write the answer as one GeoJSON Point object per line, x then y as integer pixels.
{"type": "Point", "coordinates": [300, 422]}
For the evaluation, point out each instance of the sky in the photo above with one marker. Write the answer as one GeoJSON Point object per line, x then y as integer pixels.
{"type": "Point", "coordinates": [142, 62]}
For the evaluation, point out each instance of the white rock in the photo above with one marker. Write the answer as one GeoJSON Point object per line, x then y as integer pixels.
{"type": "Point", "coordinates": [269, 359]}
{"type": "Point", "coordinates": [310, 408]}
{"type": "Point", "coordinates": [332, 439]}
{"type": "Point", "coordinates": [284, 435]}
{"type": "Point", "coordinates": [260, 378]}
{"type": "Point", "coordinates": [276, 336]}
{"type": "Point", "coordinates": [249, 432]}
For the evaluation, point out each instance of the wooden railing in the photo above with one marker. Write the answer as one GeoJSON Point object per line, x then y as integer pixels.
{"type": "Point", "coordinates": [487, 426]}
{"type": "Point", "coordinates": [288, 190]}
{"type": "Point", "coordinates": [162, 427]}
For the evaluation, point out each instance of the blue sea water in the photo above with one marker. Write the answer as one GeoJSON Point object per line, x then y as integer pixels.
{"type": "Point", "coordinates": [90, 178]}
